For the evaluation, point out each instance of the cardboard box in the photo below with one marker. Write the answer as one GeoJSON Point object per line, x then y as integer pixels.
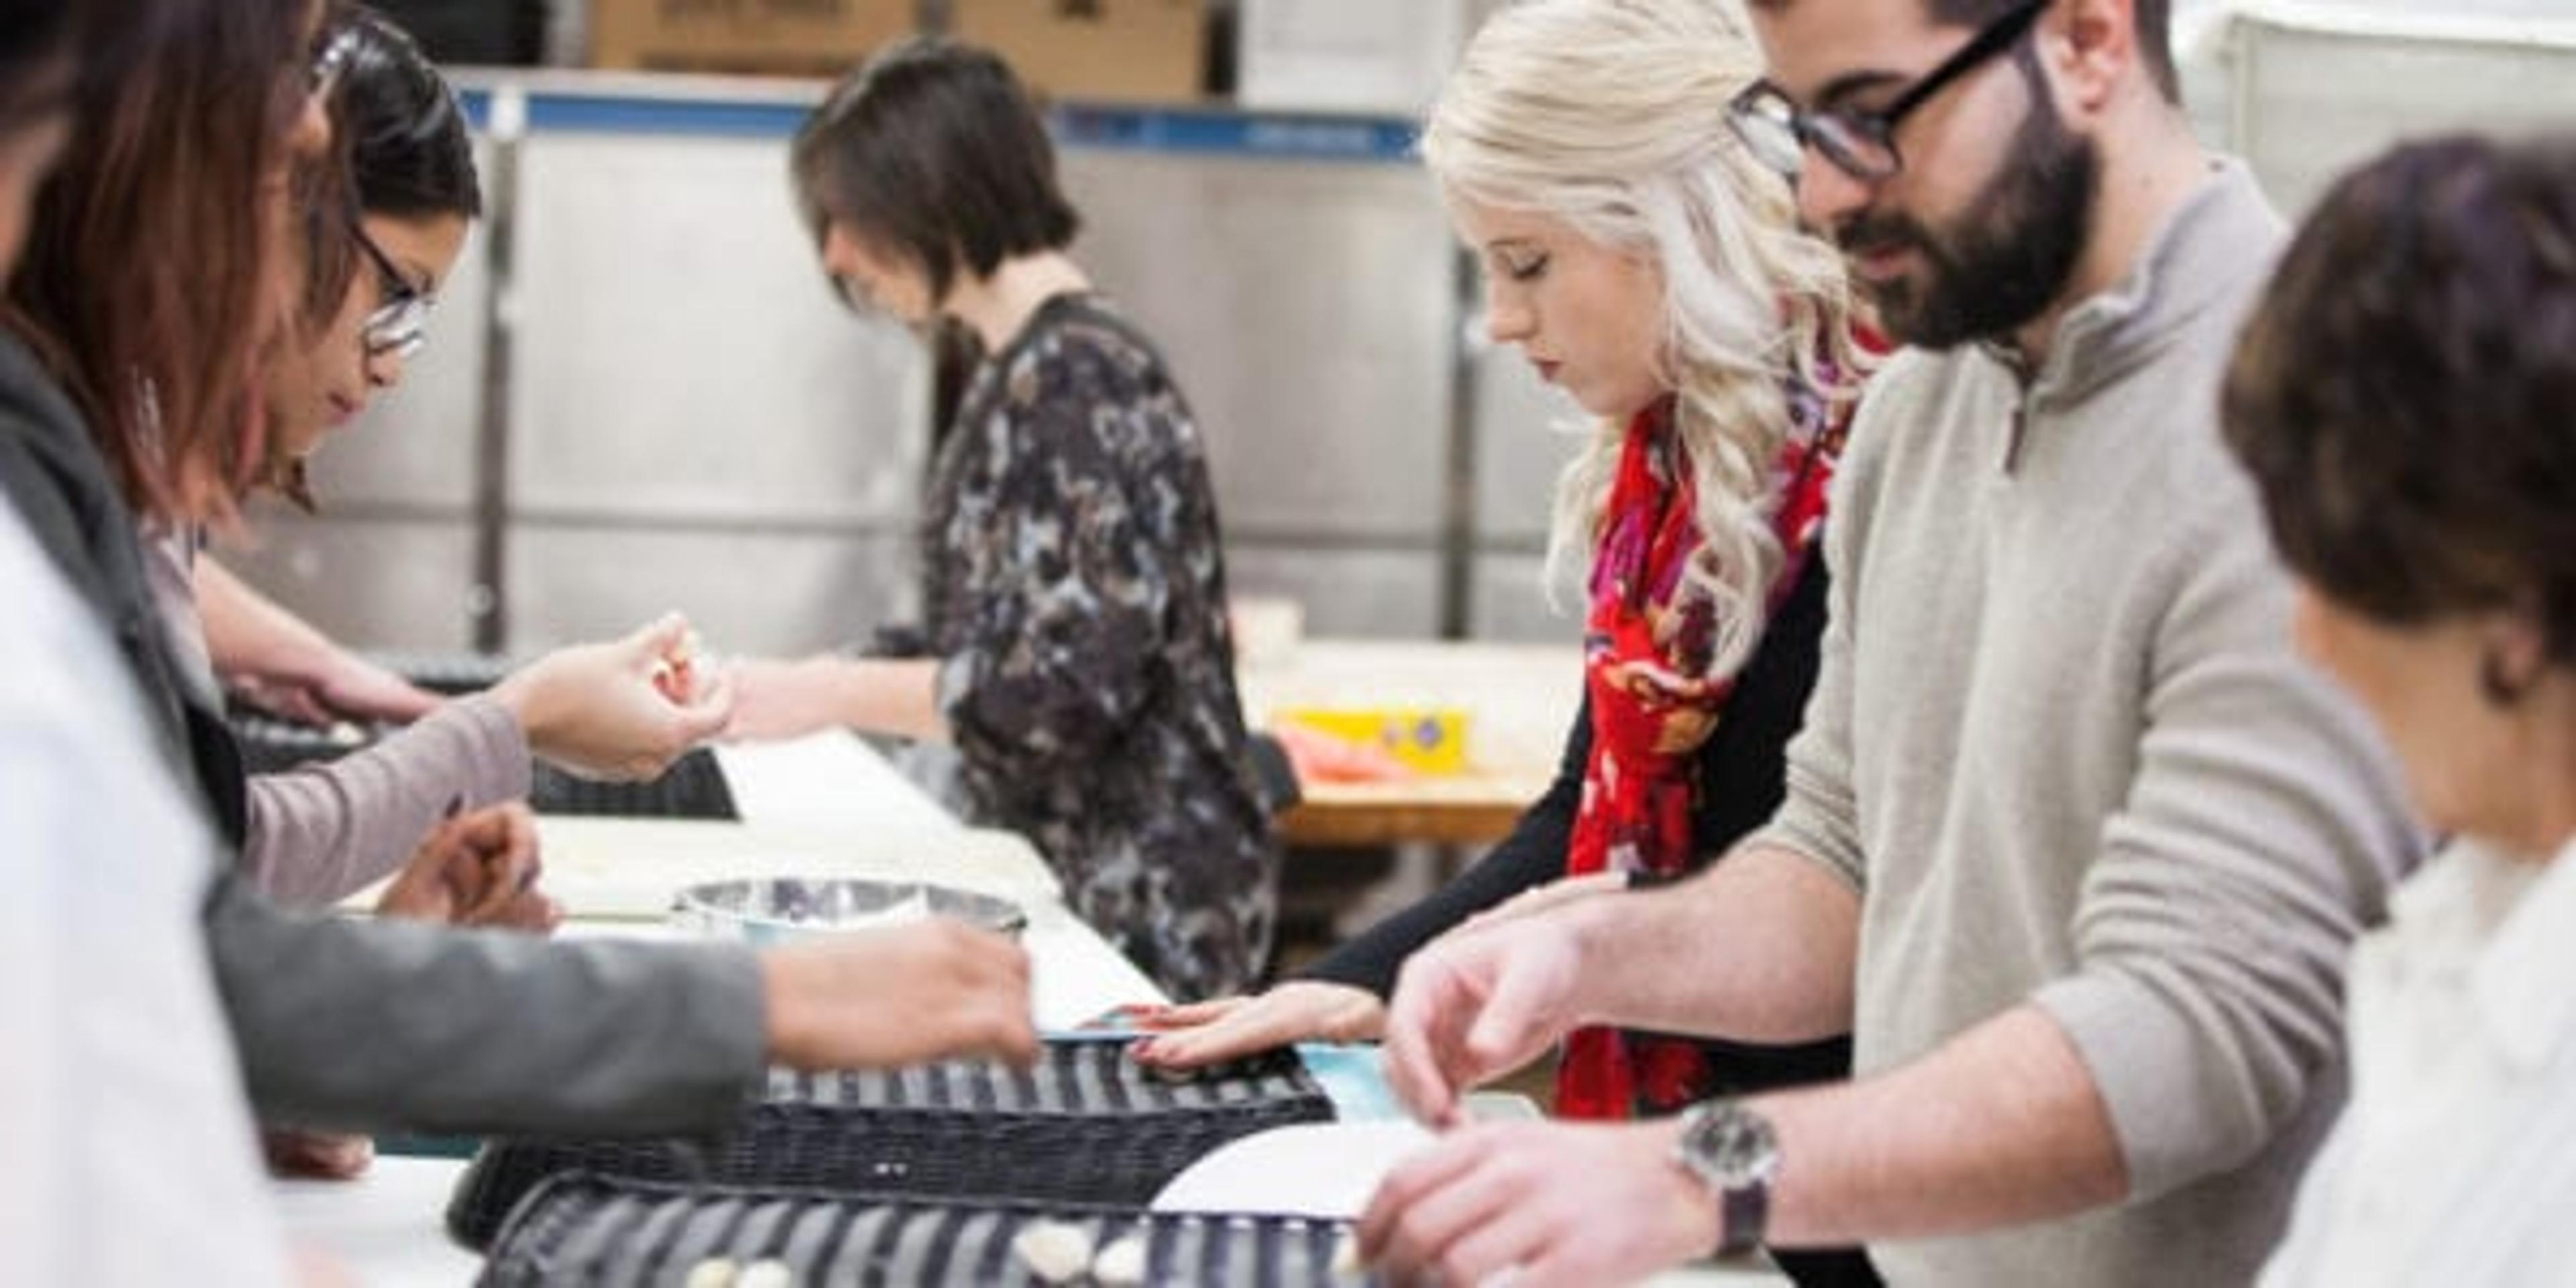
{"type": "Point", "coordinates": [1384, 57]}
{"type": "Point", "coordinates": [773, 37]}
{"type": "Point", "coordinates": [1125, 51]}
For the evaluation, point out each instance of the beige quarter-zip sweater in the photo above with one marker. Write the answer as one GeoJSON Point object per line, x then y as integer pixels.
{"type": "Point", "coordinates": [2062, 747]}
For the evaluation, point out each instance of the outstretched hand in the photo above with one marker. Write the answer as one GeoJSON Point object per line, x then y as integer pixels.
{"type": "Point", "coordinates": [621, 710]}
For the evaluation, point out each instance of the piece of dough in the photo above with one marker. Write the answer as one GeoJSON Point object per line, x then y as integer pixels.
{"type": "Point", "coordinates": [1053, 1251]}
{"type": "Point", "coordinates": [1346, 1257]}
{"type": "Point", "coordinates": [770, 1273]}
{"type": "Point", "coordinates": [1121, 1264]}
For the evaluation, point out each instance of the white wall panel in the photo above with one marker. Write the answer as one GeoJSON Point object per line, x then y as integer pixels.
{"type": "Point", "coordinates": [678, 353]}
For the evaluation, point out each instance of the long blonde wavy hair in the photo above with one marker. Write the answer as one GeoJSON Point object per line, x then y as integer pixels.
{"type": "Point", "coordinates": [1610, 117]}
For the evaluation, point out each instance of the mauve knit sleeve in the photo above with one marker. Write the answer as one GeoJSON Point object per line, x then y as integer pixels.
{"type": "Point", "coordinates": [324, 832]}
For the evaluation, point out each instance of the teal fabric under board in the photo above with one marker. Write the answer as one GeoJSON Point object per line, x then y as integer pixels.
{"type": "Point", "coordinates": [1355, 1078]}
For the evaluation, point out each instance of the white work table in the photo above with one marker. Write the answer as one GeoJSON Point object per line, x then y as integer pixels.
{"type": "Point", "coordinates": [822, 806]}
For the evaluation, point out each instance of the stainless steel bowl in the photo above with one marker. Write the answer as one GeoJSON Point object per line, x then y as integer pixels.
{"type": "Point", "coordinates": [779, 909]}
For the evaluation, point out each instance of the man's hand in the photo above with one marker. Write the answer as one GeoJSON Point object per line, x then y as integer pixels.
{"type": "Point", "coordinates": [1542, 898]}
{"type": "Point", "coordinates": [1229, 1028]}
{"type": "Point", "coordinates": [1477, 1004]}
{"type": "Point", "coordinates": [479, 870]}
{"type": "Point", "coordinates": [623, 710]}
{"type": "Point", "coordinates": [935, 990]}
{"type": "Point", "coordinates": [1539, 1205]}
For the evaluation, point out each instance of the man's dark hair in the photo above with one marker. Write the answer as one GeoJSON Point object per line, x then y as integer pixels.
{"type": "Point", "coordinates": [2405, 394]}
{"type": "Point", "coordinates": [934, 152]}
{"type": "Point", "coordinates": [2154, 19]}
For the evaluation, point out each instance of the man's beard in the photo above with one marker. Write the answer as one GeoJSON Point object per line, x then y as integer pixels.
{"type": "Point", "coordinates": [2005, 261]}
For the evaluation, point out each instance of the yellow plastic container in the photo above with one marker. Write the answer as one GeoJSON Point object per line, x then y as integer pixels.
{"type": "Point", "coordinates": [1433, 740]}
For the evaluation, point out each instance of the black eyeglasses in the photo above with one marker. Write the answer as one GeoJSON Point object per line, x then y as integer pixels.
{"type": "Point", "coordinates": [400, 325]}
{"type": "Point", "coordinates": [1860, 143]}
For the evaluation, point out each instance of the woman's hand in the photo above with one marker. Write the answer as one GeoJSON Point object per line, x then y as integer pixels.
{"type": "Point", "coordinates": [331, 686]}
{"type": "Point", "coordinates": [479, 870]}
{"type": "Point", "coordinates": [623, 710]}
{"type": "Point", "coordinates": [1229, 1028]}
{"type": "Point", "coordinates": [282, 664]}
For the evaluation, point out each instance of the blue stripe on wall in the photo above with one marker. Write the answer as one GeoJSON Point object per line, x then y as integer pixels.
{"type": "Point", "coordinates": [1198, 131]}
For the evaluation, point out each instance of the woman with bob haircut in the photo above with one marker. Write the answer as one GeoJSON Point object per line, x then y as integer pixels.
{"type": "Point", "coordinates": [1075, 649]}
{"type": "Point", "coordinates": [2405, 398]}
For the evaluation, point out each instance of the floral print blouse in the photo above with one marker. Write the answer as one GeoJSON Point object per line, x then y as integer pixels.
{"type": "Point", "coordinates": [1075, 595]}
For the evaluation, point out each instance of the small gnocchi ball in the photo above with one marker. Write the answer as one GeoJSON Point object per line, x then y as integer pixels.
{"type": "Point", "coordinates": [771, 1273]}
{"type": "Point", "coordinates": [1055, 1252]}
{"type": "Point", "coordinates": [714, 1272]}
{"type": "Point", "coordinates": [1121, 1264]}
{"type": "Point", "coordinates": [1346, 1257]}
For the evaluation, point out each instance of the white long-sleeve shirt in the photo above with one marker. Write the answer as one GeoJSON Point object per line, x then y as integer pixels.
{"type": "Point", "coordinates": [127, 1155]}
{"type": "Point", "coordinates": [2455, 1162]}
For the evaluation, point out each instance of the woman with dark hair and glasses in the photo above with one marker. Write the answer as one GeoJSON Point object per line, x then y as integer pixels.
{"type": "Point", "coordinates": [412, 165]}
{"type": "Point", "coordinates": [412, 194]}
{"type": "Point", "coordinates": [1075, 651]}
{"type": "Point", "coordinates": [2405, 398]}
{"type": "Point", "coordinates": [371, 258]}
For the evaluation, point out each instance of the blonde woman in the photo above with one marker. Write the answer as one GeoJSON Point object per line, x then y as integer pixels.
{"type": "Point", "coordinates": [1650, 268]}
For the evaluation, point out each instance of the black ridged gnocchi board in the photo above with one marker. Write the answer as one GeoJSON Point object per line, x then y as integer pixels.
{"type": "Point", "coordinates": [1087, 1124]}
{"type": "Point", "coordinates": [591, 1230]}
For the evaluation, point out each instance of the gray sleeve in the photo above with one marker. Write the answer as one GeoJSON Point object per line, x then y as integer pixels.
{"type": "Point", "coordinates": [1819, 818]}
{"type": "Point", "coordinates": [321, 833]}
{"type": "Point", "coordinates": [2263, 830]}
{"type": "Point", "coordinates": [367, 1026]}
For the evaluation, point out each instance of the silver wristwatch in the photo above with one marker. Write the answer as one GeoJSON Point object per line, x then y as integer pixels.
{"type": "Point", "coordinates": [1732, 1151]}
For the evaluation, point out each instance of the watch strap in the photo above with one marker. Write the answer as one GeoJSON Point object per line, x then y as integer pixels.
{"type": "Point", "coordinates": [1745, 1211]}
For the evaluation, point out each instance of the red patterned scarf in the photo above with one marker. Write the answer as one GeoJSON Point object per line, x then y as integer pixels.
{"type": "Point", "coordinates": [1646, 655]}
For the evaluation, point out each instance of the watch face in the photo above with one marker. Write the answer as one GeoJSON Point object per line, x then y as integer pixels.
{"type": "Point", "coordinates": [1739, 1147]}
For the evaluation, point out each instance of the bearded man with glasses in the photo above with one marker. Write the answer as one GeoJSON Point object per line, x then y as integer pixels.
{"type": "Point", "coordinates": [2073, 844]}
